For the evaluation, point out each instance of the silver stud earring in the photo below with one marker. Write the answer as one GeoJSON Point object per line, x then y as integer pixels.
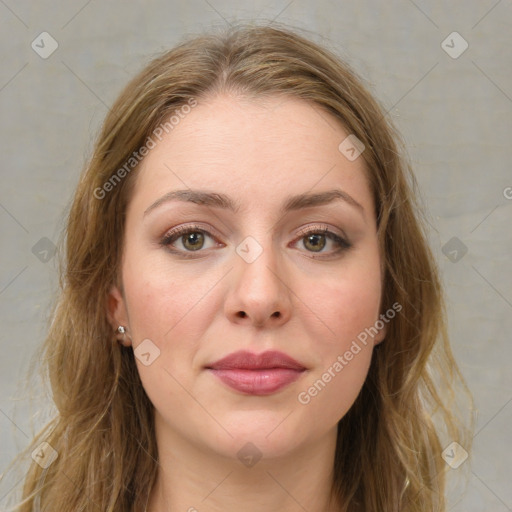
{"type": "Point", "coordinates": [121, 329]}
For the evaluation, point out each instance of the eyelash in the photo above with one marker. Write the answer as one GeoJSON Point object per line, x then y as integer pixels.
{"type": "Point", "coordinates": [174, 235]}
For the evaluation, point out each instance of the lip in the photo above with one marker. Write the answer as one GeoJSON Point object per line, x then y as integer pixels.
{"type": "Point", "coordinates": [257, 374]}
{"type": "Point", "coordinates": [245, 360]}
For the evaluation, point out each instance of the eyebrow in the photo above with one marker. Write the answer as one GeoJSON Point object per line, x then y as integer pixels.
{"type": "Point", "coordinates": [218, 200]}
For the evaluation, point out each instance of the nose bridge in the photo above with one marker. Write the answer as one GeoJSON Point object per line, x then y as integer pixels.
{"type": "Point", "coordinates": [259, 264]}
{"type": "Point", "coordinates": [259, 290]}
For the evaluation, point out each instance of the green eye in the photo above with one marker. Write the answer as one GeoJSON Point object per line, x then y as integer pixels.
{"type": "Point", "coordinates": [192, 238]}
{"type": "Point", "coordinates": [315, 240]}
{"type": "Point", "coordinates": [195, 239]}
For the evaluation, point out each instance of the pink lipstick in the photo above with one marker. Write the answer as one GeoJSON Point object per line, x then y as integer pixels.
{"type": "Point", "coordinates": [257, 374]}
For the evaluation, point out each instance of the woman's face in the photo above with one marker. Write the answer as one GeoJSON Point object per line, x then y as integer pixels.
{"type": "Point", "coordinates": [255, 273]}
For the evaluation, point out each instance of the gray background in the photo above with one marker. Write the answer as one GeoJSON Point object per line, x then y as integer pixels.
{"type": "Point", "coordinates": [454, 113]}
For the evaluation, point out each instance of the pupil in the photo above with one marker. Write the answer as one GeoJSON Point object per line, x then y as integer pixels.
{"type": "Point", "coordinates": [193, 238]}
{"type": "Point", "coordinates": [316, 245]}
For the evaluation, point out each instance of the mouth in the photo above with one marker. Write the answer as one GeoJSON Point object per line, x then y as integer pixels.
{"type": "Point", "coordinates": [257, 374]}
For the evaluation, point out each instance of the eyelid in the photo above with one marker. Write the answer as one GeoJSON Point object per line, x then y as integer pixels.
{"type": "Point", "coordinates": [184, 229]}
{"type": "Point", "coordinates": [191, 227]}
{"type": "Point", "coordinates": [321, 228]}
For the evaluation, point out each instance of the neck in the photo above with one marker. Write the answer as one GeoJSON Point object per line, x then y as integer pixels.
{"type": "Point", "coordinates": [196, 479]}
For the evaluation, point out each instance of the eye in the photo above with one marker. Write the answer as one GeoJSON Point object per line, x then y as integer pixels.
{"type": "Point", "coordinates": [192, 238]}
{"type": "Point", "coordinates": [315, 239]}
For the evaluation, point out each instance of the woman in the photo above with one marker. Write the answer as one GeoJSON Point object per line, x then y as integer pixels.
{"type": "Point", "coordinates": [247, 231]}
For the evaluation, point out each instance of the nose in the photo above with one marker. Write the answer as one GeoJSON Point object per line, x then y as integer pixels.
{"type": "Point", "coordinates": [259, 293]}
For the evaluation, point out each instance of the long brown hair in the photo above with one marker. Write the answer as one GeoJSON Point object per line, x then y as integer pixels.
{"type": "Point", "coordinates": [388, 454]}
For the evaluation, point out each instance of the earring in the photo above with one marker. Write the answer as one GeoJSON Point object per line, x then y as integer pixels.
{"type": "Point", "coordinates": [122, 331]}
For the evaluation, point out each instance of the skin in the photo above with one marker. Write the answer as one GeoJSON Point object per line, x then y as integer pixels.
{"type": "Point", "coordinates": [259, 152]}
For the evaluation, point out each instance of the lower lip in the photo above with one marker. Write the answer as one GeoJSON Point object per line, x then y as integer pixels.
{"type": "Point", "coordinates": [258, 382]}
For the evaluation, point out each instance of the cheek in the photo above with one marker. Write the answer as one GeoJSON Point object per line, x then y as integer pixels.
{"type": "Point", "coordinates": [346, 304]}
{"type": "Point", "coordinates": [162, 299]}
{"type": "Point", "coordinates": [164, 309]}
{"type": "Point", "coordinates": [331, 392]}
{"type": "Point", "coordinates": [348, 308]}
{"type": "Point", "coordinates": [172, 309]}
{"type": "Point", "coordinates": [343, 357]}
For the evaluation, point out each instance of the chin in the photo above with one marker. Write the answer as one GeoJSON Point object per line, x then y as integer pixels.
{"type": "Point", "coordinates": [271, 433]}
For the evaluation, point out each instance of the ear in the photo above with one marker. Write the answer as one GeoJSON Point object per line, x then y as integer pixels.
{"type": "Point", "coordinates": [379, 337]}
{"type": "Point", "coordinates": [117, 314]}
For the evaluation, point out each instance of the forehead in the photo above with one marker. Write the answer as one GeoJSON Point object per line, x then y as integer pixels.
{"type": "Point", "coordinates": [254, 150]}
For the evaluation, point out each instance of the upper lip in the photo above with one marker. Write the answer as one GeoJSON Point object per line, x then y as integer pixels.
{"type": "Point", "coordinates": [244, 360]}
